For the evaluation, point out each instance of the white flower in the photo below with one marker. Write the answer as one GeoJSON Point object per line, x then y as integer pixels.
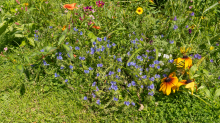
{"type": "Point", "coordinates": [159, 54]}
{"type": "Point", "coordinates": [170, 55]}
{"type": "Point", "coordinates": [166, 56]}
{"type": "Point", "coordinates": [166, 70]}
{"type": "Point", "coordinates": [161, 63]}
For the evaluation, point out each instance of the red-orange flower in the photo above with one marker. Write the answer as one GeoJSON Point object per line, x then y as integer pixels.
{"type": "Point", "coordinates": [96, 27]}
{"type": "Point", "coordinates": [70, 6]}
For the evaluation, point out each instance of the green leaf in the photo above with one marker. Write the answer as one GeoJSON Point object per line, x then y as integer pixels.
{"type": "Point", "coordinates": [19, 35]}
{"type": "Point", "coordinates": [61, 39]}
{"type": "Point", "coordinates": [192, 71]}
{"type": "Point", "coordinates": [20, 68]}
{"type": "Point", "coordinates": [3, 27]}
{"type": "Point", "coordinates": [156, 53]}
{"type": "Point", "coordinates": [217, 93]}
{"type": "Point", "coordinates": [23, 43]}
{"type": "Point", "coordinates": [211, 7]}
{"type": "Point", "coordinates": [31, 41]}
{"type": "Point", "coordinates": [22, 89]}
{"type": "Point", "coordinates": [68, 50]}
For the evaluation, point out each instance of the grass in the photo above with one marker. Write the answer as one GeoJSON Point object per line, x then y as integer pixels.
{"type": "Point", "coordinates": [34, 91]}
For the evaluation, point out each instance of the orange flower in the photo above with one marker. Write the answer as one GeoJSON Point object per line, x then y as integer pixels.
{"type": "Point", "coordinates": [169, 83]}
{"type": "Point", "coordinates": [70, 6]}
{"type": "Point", "coordinates": [64, 27]}
{"type": "Point", "coordinates": [96, 27]}
{"type": "Point", "coordinates": [74, 56]}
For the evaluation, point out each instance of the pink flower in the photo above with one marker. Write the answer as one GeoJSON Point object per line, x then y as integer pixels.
{"type": "Point", "coordinates": [21, 8]}
{"type": "Point", "coordinates": [190, 7]}
{"type": "Point", "coordinates": [17, 23]}
{"type": "Point", "coordinates": [17, 1]}
{"type": "Point", "coordinates": [26, 8]}
{"type": "Point", "coordinates": [6, 48]}
{"type": "Point", "coordinates": [46, 2]}
{"type": "Point", "coordinates": [100, 3]}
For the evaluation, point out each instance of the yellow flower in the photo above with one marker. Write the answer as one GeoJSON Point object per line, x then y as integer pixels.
{"type": "Point", "coordinates": [183, 50]}
{"type": "Point", "coordinates": [26, 4]}
{"type": "Point", "coordinates": [64, 27]}
{"type": "Point", "coordinates": [151, 1]}
{"type": "Point", "coordinates": [211, 48]}
{"type": "Point", "coordinates": [203, 17]}
{"type": "Point", "coordinates": [189, 84]}
{"type": "Point", "coordinates": [193, 26]}
{"type": "Point", "coordinates": [139, 10]}
{"type": "Point", "coordinates": [185, 62]}
{"type": "Point", "coordinates": [169, 83]}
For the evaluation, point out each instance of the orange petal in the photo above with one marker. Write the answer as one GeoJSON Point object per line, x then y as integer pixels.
{"type": "Point", "coordinates": [70, 6]}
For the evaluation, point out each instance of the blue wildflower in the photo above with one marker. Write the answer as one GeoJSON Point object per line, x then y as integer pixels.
{"type": "Point", "coordinates": [119, 70]}
{"type": "Point", "coordinates": [133, 83]}
{"type": "Point", "coordinates": [151, 93]}
{"type": "Point", "coordinates": [142, 86]}
{"type": "Point", "coordinates": [113, 44]}
{"type": "Point", "coordinates": [170, 61]}
{"type": "Point", "coordinates": [129, 84]}
{"type": "Point", "coordinates": [82, 58]}
{"type": "Point", "coordinates": [59, 57]}
{"type": "Point", "coordinates": [104, 38]}
{"type": "Point", "coordinates": [158, 67]}
{"type": "Point", "coordinates": [90, 68]}
{"type": "Point", "coordinates": [98, 102]}
{"type": "Point", "coordinates": [156, 62]}
{"type": "Point", "coordinates": [97, 74]}
{"type": "Point", "coordinates": [115, 99]}
{"type": "Point", "coordinates": [86, 71]}
{"type": "Point", "coordinates": [192, 14]}
{"type": "Point", "coordinates": [75, 29]}
{"type": "Point", "coordinates": [99, 65]}
{"type": "Point", "coordinates": [77, 48]}
{"type": "Point", "coordinates": [66, 80]}
{"type": "Point", "coordinates": [164, 75]}
{"type": "Point", "coordinates": [45, 63]}
{"type": "Point", "coordinates": [133, 103]}
{"type": "Point", "coordinates": [67, 43]}
{"type": "Point", "coordinates": [175, 27]}
{"type": "Point", "coordinates": [127, 103]}
{"type": "Point", "coordinates": [99, 39]}
{"type": "Point", "coordinates": [50, 27]}
{"type": "Point", "coordinates": [175, 19]}
{"type": "Point", "coordinates": [94, 43]}
{"type": "Point", "coordinates": [81, 33]}
{"type": "Point", "coordinates": [151, 86]}
{"type": "Point", "coordinates": [144, 77]}
{"type": "Point", "coordinates": [151, 78]}
{"type": "Point", "coordinates": [93, 95]}
{"type": "Point", "coordinates": [85, 98]}
{"type": "Point", "coordinates": [162, 36]}
{"type": "Point", "coordinates": [56, 75]}
{"type": "Point", "coordinates": [71, 67]}
{"type": "Point", "coordinates": [61, 67]}
{"type": "Point", "coordinates": [42, 50]}
{"type": "Point", "coordinates": [171, 42]}
{"type": "Point", "coordinates": [119, 59]}
{"type": "Point", "coordinates": [94, 83]}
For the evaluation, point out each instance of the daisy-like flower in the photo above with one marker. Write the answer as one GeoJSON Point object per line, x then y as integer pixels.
{"type": "Point", "coordinates": [185, 61]}
{"type": "Point", "coordinates": [190, 84]}
{"type": "Point", "coordinates": [139, 10]}
{"type": "Point", "coordinates": [169, 83]}
{"type": "Point", "coordinates": [70, 6]}
{"type": "Point", "coordinates": [100, 3]}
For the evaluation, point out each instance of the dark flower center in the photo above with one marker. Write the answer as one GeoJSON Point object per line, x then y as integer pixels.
{"type": "Point", "coordinates": [185, 56]}
{"type": "Point", "coordinates": [167, 79]}
{"type": "Point", "coordinates": [139, 10]}
{"type": "Point", "coordinates": [188, 81]}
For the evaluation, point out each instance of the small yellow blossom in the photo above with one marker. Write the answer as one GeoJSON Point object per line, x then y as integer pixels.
{"type": "Point", "coordinates": [211, 48]}
{"type": "Point", "coordinates": [139, 10]}
{"type": "Point", "coordinates": [151, 1]}
{"type": "Point", "coordinates": [26, 4]}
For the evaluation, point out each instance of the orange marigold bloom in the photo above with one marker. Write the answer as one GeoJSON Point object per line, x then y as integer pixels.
{"type": "Point", "coordinates": [168, 83]}
{"type": "Point", "coordinates": [64, 27]}
{"type": "Point", "coordinates": [70, 6]}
